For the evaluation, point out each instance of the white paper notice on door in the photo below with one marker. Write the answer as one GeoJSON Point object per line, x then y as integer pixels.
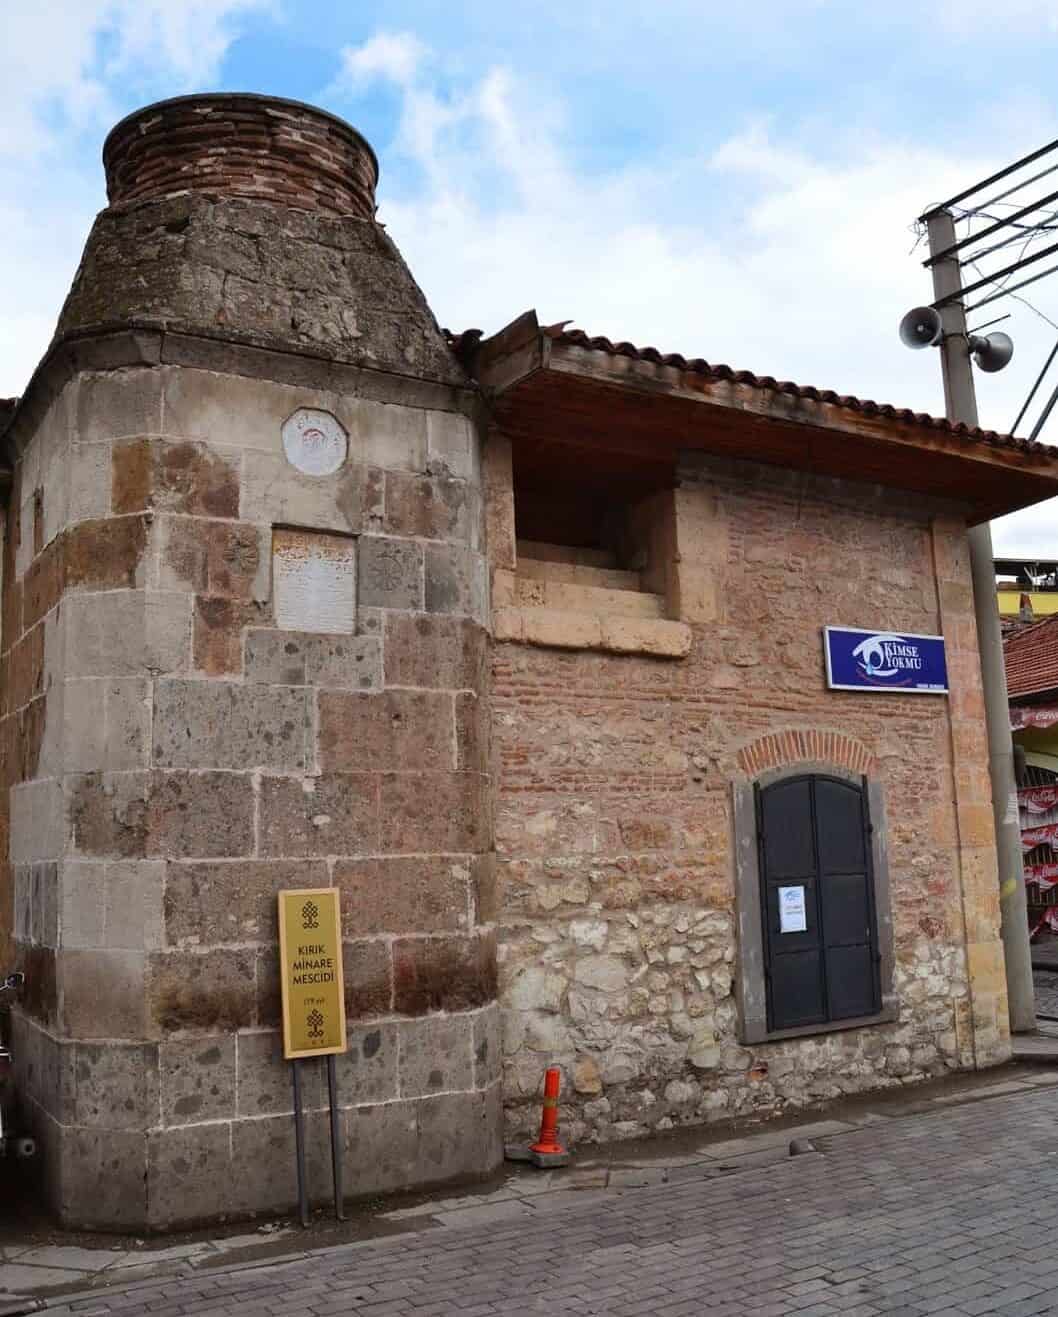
{"type": "Point", "coordinates": [792, 917]}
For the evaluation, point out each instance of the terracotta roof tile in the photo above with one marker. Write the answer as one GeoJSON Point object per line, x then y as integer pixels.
{"type": "Point", "coordinates": [865, 406]}
{"type": "Point", "coordinates": [465, 344]}
{"type": "Point", "coordinates": [1031, 657]}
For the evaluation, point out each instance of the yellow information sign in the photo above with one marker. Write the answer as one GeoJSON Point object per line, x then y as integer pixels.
{"type": "Point", "coordinates": [310, 964]}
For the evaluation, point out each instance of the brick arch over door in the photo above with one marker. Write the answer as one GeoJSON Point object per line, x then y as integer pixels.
{"type": "Point", "coordinates": [808, 745]}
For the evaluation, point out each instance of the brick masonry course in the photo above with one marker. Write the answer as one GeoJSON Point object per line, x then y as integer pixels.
{"type": "Point", "coordinates": [291, 154]}
{"type": "Point", "coordinates": [615, 826]}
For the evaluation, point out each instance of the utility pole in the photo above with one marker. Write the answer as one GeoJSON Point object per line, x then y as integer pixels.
{"type": "Point", "coordinates": [960, 404]}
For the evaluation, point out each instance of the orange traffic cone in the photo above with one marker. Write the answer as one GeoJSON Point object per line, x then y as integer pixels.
{"type": "Point", "coordinates": [547, 1151]}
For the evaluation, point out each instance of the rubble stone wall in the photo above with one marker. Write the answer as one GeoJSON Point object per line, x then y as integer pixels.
{"type": "Point", "coordinates": [618, 945]}
{"type": "Point", "coordinates": [175, 757]}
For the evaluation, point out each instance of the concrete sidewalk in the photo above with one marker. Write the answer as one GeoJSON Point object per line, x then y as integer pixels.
{"type": "Point", "coordinates": [1044, 953]}
{"type": "Point", "coordinates": [883, 1208]}
{"type": "Point", "coordinates": [1041, 1047]}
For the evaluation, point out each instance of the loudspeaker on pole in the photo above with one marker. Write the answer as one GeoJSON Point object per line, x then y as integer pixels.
{"type": "Point", "coordinates": [921, 328]}
{"type": "Point", "coordinates": [992, 351]}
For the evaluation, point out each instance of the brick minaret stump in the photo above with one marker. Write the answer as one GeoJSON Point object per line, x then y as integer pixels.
{"type": "Point", "coordinates": [242, 146]}
{"type": "Point", "coordinates": [243, 597]}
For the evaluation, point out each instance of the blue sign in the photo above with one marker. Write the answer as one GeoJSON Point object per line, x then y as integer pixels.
{"type": "Point", "coordinates": [884, 661]}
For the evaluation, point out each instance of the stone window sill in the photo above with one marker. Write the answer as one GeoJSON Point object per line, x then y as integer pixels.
{"type": "Point", "coordinates": [554, 629]}
{"type": "Point", "coordinates": [752, 1034]}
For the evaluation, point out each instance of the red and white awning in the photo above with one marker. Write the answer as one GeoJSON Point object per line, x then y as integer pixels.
{"type": "Point", "coordinates": [1044, 836]}
{"type": "Point", "coordinates": [1038, 716]}
{"type": "Point", "coordinates": [1045, 876]}
{"type": "Point", "coordinates": [1038, 800]}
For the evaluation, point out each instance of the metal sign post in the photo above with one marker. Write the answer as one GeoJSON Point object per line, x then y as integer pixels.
{"type": "Point", "coordinates": [313, 997]}
{"type": "Point", "coordinates": [299, 1145]}
{"type": "Point", "coordinates": [336, 1153]}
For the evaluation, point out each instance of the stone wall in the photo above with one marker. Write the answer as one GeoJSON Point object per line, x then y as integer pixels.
{"type": "Point", "coordinates": [614, 821]}
{"type": "Point", "coordinates": [244, 649]}
{"type": "Point", "coordinates": [245, 270]}
{"type": "Point", "coordinates": [176, 757]}
{"type": "Point", "coordinates": [38, 541]}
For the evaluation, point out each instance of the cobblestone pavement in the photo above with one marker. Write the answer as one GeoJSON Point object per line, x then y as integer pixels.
{"type": "Point", "coordinates": [1044, 951]}
{"type": "Point", "coordinates": [940, 1213]}
{"type": "Point", "coordinates": [1046, 992]}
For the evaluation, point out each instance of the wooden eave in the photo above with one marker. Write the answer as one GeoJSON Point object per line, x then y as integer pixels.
{"type": "Point", "coordinates": [623, 416]}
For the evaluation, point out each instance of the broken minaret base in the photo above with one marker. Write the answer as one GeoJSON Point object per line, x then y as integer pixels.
{"type": "Point", "coordinates": [243, 597]}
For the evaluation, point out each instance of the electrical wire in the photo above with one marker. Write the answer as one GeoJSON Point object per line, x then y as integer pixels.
{"type": "Point", "coordinates": [1005, 172]}
{"type": "Point", "coordinates": [1032, 391]}
{"type": "Point", "coordinates": [1044, 222]}
{"type": "Point", "coordinates": [1016, 296]}
{"type": "Point", "coordinates": [1049, 214]}
{"type": "Point", "coordinates": [986, 211]}
{"type": "Point", "coordinates": [1035, 279]}
{"type": "Point", "coordinates": [1034, 309]}
{"type": "Point", "coordinates": [1018, 186]}
{"type": "Point", "coordinates": [1013, 268]}
{"type": "Point", "coordinates": [993, 227]}
{"type": "Point", "coordinates": [973, 263]}
{"type": "Point", "coordinates": [1009, 242]}
{"type": "Point", "coordinates": [977, 328]}
{"type": "Point", "coordinates": [920, 231]}
{"type": "Point", "coordinates": [1026, 244]}
{"type": "Point", "coordinates": [1013, 238]}
{"type": "Point", "coordinates": [963, 214]}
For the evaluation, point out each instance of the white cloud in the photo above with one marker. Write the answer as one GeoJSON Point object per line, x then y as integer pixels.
{"type": "Point", "coordinates": [972, 18]}
{"type": "Point", "coordinates": [188, 40]}
{"type": "Point", "coordinates": [789, 265]}
{"type": "Point", "coordinates": [45, 61]}
{"type": "Point", "coordinates": [783, 260]}
{"type": "Point", "coordinates": [69, 69]}
{"type": "Point", "coordinates": [60, 58]}
{"type": "Point", "coordinates": [395, 57]}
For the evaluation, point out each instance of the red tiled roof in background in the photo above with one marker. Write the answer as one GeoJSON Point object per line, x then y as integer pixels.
{"type": "Point", "coordinates": [465, 344]}
{"type": "Point", "coordinates": [1031, 657]}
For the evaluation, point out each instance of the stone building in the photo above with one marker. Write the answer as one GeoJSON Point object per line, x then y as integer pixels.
{"type": "Point", "coordinates": [243, 648]}
{"type": "Point", "coordinates": [644, 717]}
{"type": "Point", "coordinates": [517, 642]}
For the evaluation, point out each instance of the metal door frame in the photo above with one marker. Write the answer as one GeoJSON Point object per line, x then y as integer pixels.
{"type": "Point", "coordinates": [767, 942]}
{"type": "Point", "coordinates": [750, 960]}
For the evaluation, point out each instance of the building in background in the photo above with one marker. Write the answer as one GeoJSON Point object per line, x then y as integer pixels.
{"type": "Point", "coordinates": [518, 642]}
{"type": "Point", "coordinates": [1031, 657]}
{"type": "Point", "coordinates": [1026, 590]}
{"type": "Point", "coordinates": [668, 540]}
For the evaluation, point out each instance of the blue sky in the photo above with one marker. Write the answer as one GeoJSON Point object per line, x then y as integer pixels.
{"type": "Point", "coordinates": [735, 182]}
